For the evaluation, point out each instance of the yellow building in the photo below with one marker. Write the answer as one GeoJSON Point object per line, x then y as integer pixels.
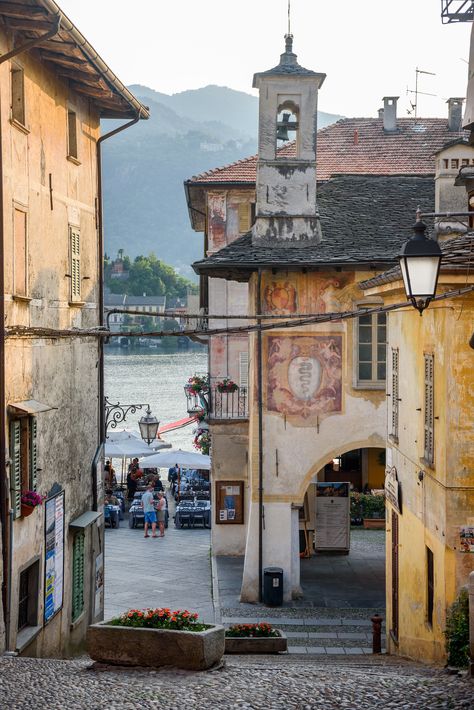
{"type": "Point", "coordinates": [430, 453]}
{"type": "Point", "coordinates": [54, 91]}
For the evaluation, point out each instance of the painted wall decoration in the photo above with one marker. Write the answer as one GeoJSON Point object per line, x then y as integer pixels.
{"type": "Point", "coordinates": [304, 376]}
{"type": "Point", "coordinates": [304, 293]}
{"type": "Point", "coordinates": [217, 212]}
{"type": "Point", "coordinates": [280, 297]}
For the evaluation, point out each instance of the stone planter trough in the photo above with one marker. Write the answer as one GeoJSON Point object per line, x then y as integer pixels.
{"type": "Point", "coordinates": [262, 644]}
{"type": "Point", "coordinates": [127, 646]}
{"type": "Point", "coordinates": [374, 523]}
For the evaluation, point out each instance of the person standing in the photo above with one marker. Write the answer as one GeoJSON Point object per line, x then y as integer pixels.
{"type": "Point", "coordinates": [149, 511]}
{"type": "Point", "coordinates": [161, 513]}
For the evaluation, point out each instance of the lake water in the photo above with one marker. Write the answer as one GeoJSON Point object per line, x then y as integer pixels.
{"type": "Point", "coordinates": [157, 378]}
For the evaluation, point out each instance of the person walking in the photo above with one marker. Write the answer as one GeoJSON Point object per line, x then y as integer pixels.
{"type": "Point", "coordinates": [149, 511]}
{"type": "Point", "coordinates": [161, 513]}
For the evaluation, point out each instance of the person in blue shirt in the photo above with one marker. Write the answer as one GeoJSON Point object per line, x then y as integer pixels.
{"type": "Point", "coordinates": [149, 511]}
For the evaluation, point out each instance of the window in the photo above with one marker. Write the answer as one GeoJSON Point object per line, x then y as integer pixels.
{"type": "Point", "coordinates": [454, 163]}
{"type": "Point", "coordinates": [287, 123]}
{"type": "Point", "coordinates": [18, 94]}
{"type": "Point", "coordinates": [23, 454]}
{"type": "Point", "coordinates": [20, 254]}
{"type": "Point", "coordinates": [429, 586]}
{"type": "Point", "coordinates": [429, 410]}
{"type": "Point", "coordinates": [445, 163]}
{"type": "Point", "coordinates": [75, 263]}
{"type": "Point", "coordinates": [395, 393]}
{"type": "Point", "coordinates": [244, 370]}
{"type": "Point", "coordinates": [78, 576]}
{"type": "Point", "coordinates": [244, 217]}
{"type": "Point", "coordinates": [371, 349]}
{"type": "Point", "coordinates": [28, 597]}
{"type": "Point", "coordinates": [72, 134]}
{"type": "Point", "coordinates": [465, 161]}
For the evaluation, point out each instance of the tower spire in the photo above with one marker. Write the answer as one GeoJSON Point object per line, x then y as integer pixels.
{"type": "Point", "coordinates": [289, 18]}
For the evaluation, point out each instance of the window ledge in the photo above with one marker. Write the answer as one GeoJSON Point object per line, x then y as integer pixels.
{"type": "Point", "coordinates": [26, 636]}
{"type": "Point", "coordinates": [77, 304]}
{"type": "Point", "coordinates": [369, 386]}
{"type": "Point", "coordinates": [20, 126]}
{"type": "Point", "coordinates": [74, 624]}
{"type": "Point", "coordinates": [74, 160]}
{"type": "Point", "coordinates": [22, 299]}
{"type": "Point", "coordinates": [428, 464]}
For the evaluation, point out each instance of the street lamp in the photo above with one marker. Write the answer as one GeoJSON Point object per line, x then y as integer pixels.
{"type": "Point", "coordinates": [148, 426]}
{"type": "Point", "coordinates": [420, 259]}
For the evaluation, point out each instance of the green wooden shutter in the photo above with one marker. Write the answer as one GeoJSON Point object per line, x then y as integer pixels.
{"type": "Point", "coordinates": [75, 248]}
{"type": "Point", "coordinates": [33, 454]}
{"type": "Point", "coordinates": [78, 576]}
{"type": "Point", "coordinates": [15, 473]}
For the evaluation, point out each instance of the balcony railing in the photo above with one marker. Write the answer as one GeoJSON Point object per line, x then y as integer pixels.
{"type": "Point", "coordinates": [229, 405]}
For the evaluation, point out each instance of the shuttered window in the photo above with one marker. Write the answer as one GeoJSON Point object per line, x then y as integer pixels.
{"type": "Point", "coordinates": [395, 393]}
{"type": "Point", "coordinates": [429, 586]}
{"type": "Point", "coordinates": [244, 217]}
{"type": "Point", "coordinates": [75, 256]}
{"type": "Point", "coordinates": [33, 462]}
{"type": "Point", "coordinates": [18, 94]}
{"type": "Point", "coordinates": [429, 410]}
{"type": "Point", "coordinates": [371, 349]}
{"type": "Point", "coordinates": [244, 370]}
{"type": "Point", "coordinates": [20, 255]}
{"type": "Point", "coordinates": [72, 134]}
{"type": "Point", "coordinates": [15, 470]}
{"type": "Point", "coordinates": [78, 576]}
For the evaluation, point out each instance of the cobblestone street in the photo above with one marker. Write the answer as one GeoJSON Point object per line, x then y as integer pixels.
{"type": "Point", "coordinates": [261, 683]}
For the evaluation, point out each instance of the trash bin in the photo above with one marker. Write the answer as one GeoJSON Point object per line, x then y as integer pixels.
{"type": "Point", "coordinates": [273, 586]}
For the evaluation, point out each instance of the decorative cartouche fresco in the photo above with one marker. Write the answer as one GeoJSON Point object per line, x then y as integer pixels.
{"type": "Point", "coordinates": [304, 376]}
{"type": "Point", "coordinates": [304, 293]}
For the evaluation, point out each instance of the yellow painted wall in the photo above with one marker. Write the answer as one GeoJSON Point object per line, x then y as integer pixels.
{"type": "Point", "coordinates": [375, 469]}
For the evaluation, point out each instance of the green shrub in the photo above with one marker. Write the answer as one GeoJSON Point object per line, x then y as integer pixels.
{"type": "Point", "coordinates": [261, 630]}
{"type": "Point", "coordinates": [457, 632]}
{"type": "Point", "coordinates": [367, 506]}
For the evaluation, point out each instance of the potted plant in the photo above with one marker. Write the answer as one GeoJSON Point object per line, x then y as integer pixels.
{"type": "Point", "coordinates": [202, 441]}
{"type": "Point", "coordinates": [29, 501]}
{"type": "Point", "coordinates": [197, 384]}
{"type": "Point", "coordinates": [254, 638]}
{"type": "Point", "coordinates": [227, 385]}
{"type": "Point", "coordinates": [373, 511]}
{"type": "Point", "coordinates": [156, 637]}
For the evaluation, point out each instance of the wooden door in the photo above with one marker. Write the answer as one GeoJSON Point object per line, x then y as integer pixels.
{"type": "Point", "coordinates": [395, 580]}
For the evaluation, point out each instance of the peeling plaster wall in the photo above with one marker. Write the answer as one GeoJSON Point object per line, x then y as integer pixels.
{"type": "Point", "coordinates": [62, 373]}
{"type": "Point", "coordinates": [448, 197]}
{"type": "Point", "coordinates": [436, 500]}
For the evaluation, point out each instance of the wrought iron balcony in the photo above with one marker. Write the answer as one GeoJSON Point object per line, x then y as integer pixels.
{"type": "Point", "coordinates": [457, 11]}
{"type": "Point", "coordinates": [229, 404]}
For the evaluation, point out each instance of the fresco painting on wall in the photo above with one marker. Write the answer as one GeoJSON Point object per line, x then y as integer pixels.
{"type": "Point", "coordinates": [305, 293]}
{"type": "Point", "coordinates": [216, 203]}
{"type": "Point", "coordinates": [280, 297]}
{"type": "Point", "coordinates": [304, 377]}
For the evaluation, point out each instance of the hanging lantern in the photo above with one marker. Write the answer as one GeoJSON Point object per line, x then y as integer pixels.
{"type": "Point", "coordinates": [148, 426]}
{"type": "Point", "coordinates": [420, 260]}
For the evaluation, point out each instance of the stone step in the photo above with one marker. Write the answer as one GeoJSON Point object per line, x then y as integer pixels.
{"type": "Point", "coordinates": [332, 650]}
{"type": "Point", "coordinates": [290, 621]}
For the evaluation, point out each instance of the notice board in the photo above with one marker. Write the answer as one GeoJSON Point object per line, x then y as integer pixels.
{"type": "Point", "coordinates": [229, 502]}
{"type": "Point", "coordinates": [333, 517]}
{"type": "Point", "coordinates": [54, 556]}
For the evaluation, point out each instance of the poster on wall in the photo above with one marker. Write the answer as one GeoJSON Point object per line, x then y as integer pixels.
{"type": "Point", "coordinates": [99, 584]}
{"type": "Point", "coordinates": [333, 517]}
{"type": "Point", "coordinates": [230, 502]}
{"type": "Point", "coordinates": [466, 538]}
{"type": "Point", "coordinates": [54, 556]}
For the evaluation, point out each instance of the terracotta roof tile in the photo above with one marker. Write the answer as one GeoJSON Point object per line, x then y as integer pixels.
{"type": "Point", "coordinates": [358, 146]}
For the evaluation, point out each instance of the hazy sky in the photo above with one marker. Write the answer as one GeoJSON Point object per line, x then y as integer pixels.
{"type": "Point", "coordinates": [368, 49]}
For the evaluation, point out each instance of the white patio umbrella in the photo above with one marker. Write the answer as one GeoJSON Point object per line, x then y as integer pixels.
{"type": "Point", "coordinates": [130, 448]}
{"type": "Point", "coordinates": [184, 459]}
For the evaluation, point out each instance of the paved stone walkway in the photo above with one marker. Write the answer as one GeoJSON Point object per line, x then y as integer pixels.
{"type": "Point", "coordinates": [264, 683]}
{"type": "Point", "coordinates": [174, 571]}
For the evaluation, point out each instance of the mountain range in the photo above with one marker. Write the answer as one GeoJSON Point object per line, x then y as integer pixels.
{"type": "Point", "coordinates": [145, 166]}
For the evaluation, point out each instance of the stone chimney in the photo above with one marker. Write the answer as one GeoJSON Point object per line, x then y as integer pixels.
{"type": "Point", "coordinates": [455, 114]}
{"type": "Point", "coordinates": [390, 113]}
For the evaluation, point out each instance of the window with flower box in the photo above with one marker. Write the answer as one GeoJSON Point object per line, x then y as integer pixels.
{"type": "Point", "coordinates": [23, 456]}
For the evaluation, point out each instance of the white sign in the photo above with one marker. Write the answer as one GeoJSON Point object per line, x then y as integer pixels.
{"type": "Point", "coordinates": [332, 529]}
{"type": "Point", "coordinates": [392, 488]}
{"type": "Point", "coordinates": [54, 556]}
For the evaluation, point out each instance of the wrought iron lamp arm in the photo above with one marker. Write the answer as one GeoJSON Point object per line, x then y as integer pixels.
{"type": "Point", "coordinates": [116, 413]}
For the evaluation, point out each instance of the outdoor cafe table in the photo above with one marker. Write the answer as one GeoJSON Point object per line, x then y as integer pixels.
{"type": "Point", "coordinates": [186, 515]}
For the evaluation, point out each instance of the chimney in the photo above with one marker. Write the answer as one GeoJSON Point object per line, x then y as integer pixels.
{"type": "Point", "coordinates": [454, 114]}
{"type": "Point", "coordinates": [380, 112]}
{"type": "Point", "coordinates": [390, 113]}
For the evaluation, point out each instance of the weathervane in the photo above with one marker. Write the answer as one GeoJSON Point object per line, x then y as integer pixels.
{"type": "Point", "coordinates": [289, 17]}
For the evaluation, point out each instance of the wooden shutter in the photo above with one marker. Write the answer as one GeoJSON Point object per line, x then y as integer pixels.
{"type": "Point", "coordinates": [429, 410]}
{"type": "Point", "coordinates": [33, 454]}
{"type": "Point", "coordinates": [429, 585]}
{"type": "Point", "coordinates": [78, 576]}
{"type": "Point", "coordinates": [15, 471]}
{"type": "Point", "coordinates": [395, 392]}
{"type": "Point", "coordinates": [75, 251]}
{"type": "Point", "coordinates": [244, 370]}
{"type": "Point", "coordinates": [244, 217]}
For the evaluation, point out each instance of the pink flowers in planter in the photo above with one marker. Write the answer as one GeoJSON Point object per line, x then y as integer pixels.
{"type": "Point", "coordinates": [32, 498]}
{"type": "Point", "coordinates": [227, 385]}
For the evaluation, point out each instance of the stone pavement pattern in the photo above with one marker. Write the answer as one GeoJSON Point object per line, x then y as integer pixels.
{"type": "Point", "coordinates": [264, 683]}
{"type": "Point", "coordinates": [174, 571]}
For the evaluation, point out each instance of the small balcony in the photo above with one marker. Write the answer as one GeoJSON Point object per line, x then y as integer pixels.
{"type": "Point", "coordinates": [232, 404]}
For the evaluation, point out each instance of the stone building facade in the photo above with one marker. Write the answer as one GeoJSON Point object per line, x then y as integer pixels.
{"type": "Point", "coordinates": [54, 90]}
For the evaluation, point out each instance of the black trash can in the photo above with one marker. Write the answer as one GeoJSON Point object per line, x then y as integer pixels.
{"type": "Point", "coordinates": [273, 586]}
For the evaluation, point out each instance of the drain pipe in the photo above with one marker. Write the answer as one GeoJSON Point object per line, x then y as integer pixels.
{"type": "Point", "coordinates": [261, 512]}
{"type": "Point", "coordinates": [100, 257]}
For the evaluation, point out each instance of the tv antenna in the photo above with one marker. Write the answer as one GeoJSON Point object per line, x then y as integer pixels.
{"type": "Point", "coordinates": [414, 106]}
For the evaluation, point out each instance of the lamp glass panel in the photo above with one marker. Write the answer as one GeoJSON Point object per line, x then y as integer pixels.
{"type": "Point", "coordinates": [423, 272]}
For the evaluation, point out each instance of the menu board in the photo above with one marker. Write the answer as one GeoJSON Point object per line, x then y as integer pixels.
{"type": "Point", "coordinates": [54, 556]}
{"type": "Point", "coordinates": [332, 529]}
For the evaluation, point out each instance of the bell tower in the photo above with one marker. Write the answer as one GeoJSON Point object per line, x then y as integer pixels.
{"type": "Point", "coordinates": [286, 210]}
